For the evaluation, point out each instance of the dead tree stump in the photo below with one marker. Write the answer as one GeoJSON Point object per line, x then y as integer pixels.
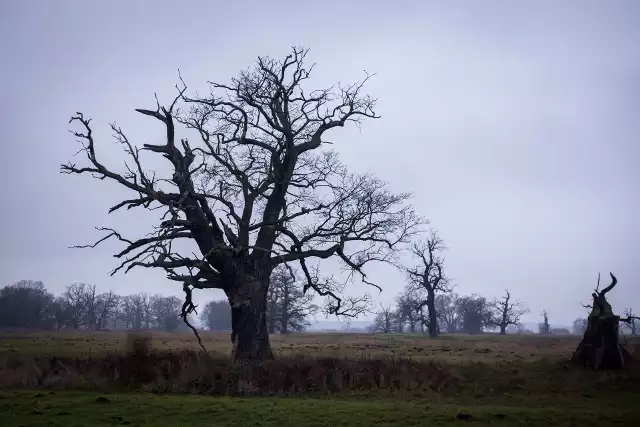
{"type": "Point", "coordinates": [600, 347]}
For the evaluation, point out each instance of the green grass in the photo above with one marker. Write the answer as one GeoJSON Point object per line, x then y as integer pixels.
{"type": "Point", "coordinates": [451, 348]}
{"type": "Point", "coordinates": [500, 380]}
{"type": "Point", "coordinates": [69, 409]}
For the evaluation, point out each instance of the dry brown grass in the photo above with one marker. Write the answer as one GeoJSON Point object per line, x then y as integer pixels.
{"type": "Point", "coordinates": [475, 367]}
{"type": "Point", "coordinates": [451, 348]}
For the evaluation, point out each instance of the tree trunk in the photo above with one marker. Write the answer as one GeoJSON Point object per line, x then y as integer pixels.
{"type": "Point", "coordinates": [284, 326]}
{"type": "Point", "coordinates": [250, 336]}
{"type": "Point", "coordinates": [273, 311]}
{"type": "Point", "coordinates": [503, 329]}
{"type": "Point", "coordinates": [600, 347]}
{"type": "Point", "coordinates": [433, 316]}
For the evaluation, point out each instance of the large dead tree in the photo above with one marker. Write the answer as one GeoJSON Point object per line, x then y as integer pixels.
{"type": "Point", "coordinates": [600, 346]}
{"type": "Point", "coordinates": [428, 276]}
{"type": "Point", "coordinates": [260, 188]}
{"type": "Point", "coordinates": [506, 311]}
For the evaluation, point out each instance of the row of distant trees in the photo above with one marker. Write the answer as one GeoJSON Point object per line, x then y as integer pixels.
{"type": "Point", "coordinates": [429, 304]}
{"type": "Point", "coordinates": [472, 314]}
{"type": "Point", "coordinates": [454, 313]}
{"type": "Point", "coordinates": [28, 304]}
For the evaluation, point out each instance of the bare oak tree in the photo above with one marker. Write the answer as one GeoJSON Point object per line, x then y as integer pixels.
{"type": "Point", "coordinates": [448, 313]}
{"type": "Point", "coordinates": [260, 188]}
{"type": "Point", "coordinates": [408, 312]}
{"type": "Point", "coordinates": [428, 276]}
{"type": "Point", "coordinates": [288, 306]}
{"type": "Point", "coordinates": [384, 320]}
{"type": "Point", "coordinates": [506, 311]}
{"type": "Point", "coordinates": [74, 300]}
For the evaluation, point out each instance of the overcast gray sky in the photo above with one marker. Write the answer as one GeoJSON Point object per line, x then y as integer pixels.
{"type": "Point", "coordinates": [515, 124]}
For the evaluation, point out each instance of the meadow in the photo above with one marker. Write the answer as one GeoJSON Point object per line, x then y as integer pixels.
{"type": "Point", "coordinates": [93, 378]}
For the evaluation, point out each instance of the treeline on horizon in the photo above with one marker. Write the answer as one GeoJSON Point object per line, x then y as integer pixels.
{"type": "Point", "coordinates": [28, 304]}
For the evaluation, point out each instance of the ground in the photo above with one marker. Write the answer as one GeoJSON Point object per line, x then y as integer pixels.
{"type": "Point", "coordinates": [62, 379]}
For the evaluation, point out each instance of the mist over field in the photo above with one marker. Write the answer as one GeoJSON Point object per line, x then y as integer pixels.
{"type": "Point", "coordinates": [406, 213]}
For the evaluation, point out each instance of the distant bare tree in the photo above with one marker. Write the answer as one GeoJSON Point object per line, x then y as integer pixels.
{"type": "Point", "coordinates": [166, 312]}
{"type": "Point", "coordinates": [474, 314]}
{"type": "Point", "coordinates": [448, 312]}
{"type": "Point", "coordinates": [26, 304]}
{"type": "Point", "coordinates": [384, 320]}
{"type": "Point", "coordinates": [147, 309]}
{"type": "Point", "coordinates": [408, 311]}
{"type": "Point", "coordinates": [523, 330]}
{"type": "Point", "coordinates": [74, 300]}
{"type": "Point", "coordinates": [134, 310]}
{"type": "Point", "coordinates": [216, 315]}
{"type": "Point", "coordinates": [127, 311]}
{"type": "Point", "coordinates": [91, 302]}
{"type": "Point", "coordinates": [544, 327]}
{"type": "Point", "coordinates": [579, 326]}
{"type": "Point", "coordinates": [260, 188]}
{"type": "Point", "coordinates": [105, 308]}
{"type": "Point", "coordinates": [428, 276]}
{"type": "Point", "coordinates": [287, 305]}
{"type": "Point", "coordinates": [506, 311]}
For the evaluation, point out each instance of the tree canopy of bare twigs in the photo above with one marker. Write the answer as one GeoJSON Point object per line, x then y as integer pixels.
{"type": "Point", "coordinates": [632, 321]}
{"type": "Point", "coordinates": [384, 320]}
{"type": "Point", "coordinates": [259, 188]}
{"type": "Point", "coordinates": [428, 276]}
{"type": "Point", "coordinates": [506, 311]}
{"type": "Point", "coordinates": [288, 306]}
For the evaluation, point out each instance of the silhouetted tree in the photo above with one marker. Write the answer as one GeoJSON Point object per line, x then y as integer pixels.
{"type": "Point", "coordinates": [408, 311]}
{"type": "Point", "coordinates": [600, 346]}
{"type": "Point", "coordinates": [288, 306]}
{"type": "Point", "coordinates": [26, 304]}
{"type": "Point", "coordinates": [544, 327]}
{"type": "Point", "coordinates": [216, 316]}
{"type": "Point", "coordinates": [74, 303]}
{"type": "Point", "coordinates": [166, 312]}
{"type": "Point", "coordinates": [506, 311]}
{"type": "Point", "coordinates": [428, 276]}
{"type": "Point", "coordinates": [260, 189]}
{"type": "Point", "coordinates": [448, 312]}
{"type": "Point", "coordinates": [474, 313]}
{"type": "Point", "coordinates": [579, 326]}
{"type": "Point", "coordinates": [384, 320]}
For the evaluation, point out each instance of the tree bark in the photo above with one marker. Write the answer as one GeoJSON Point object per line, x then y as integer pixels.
{"type": "Point", "coordinates": [273, 300]}
{"type": "Point", "coordinates": [250, 336]}
{"type": "Point", "coordinates": [284, 326]}
{"type": "Point", "coordinates": [433, 316]}
{"type": "Point", "coordinates": [600, 347]}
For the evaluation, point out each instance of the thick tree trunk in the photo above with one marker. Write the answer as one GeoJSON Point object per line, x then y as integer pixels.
{"type": "Point", "coordinates": [503, 329]}
{"type": "Point", "coordinates": [433, 316]}
{"type": "Point", "coordinates": [600, 347]}
{"type": "Point", "coordinates": [250, 336]}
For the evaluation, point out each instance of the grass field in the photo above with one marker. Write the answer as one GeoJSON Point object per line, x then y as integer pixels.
{"type": "Point", "coordinates": [85, 378]}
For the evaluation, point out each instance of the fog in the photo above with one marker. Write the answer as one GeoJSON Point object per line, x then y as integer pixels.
{"type": "Point", "coordinates": [514, 126]}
